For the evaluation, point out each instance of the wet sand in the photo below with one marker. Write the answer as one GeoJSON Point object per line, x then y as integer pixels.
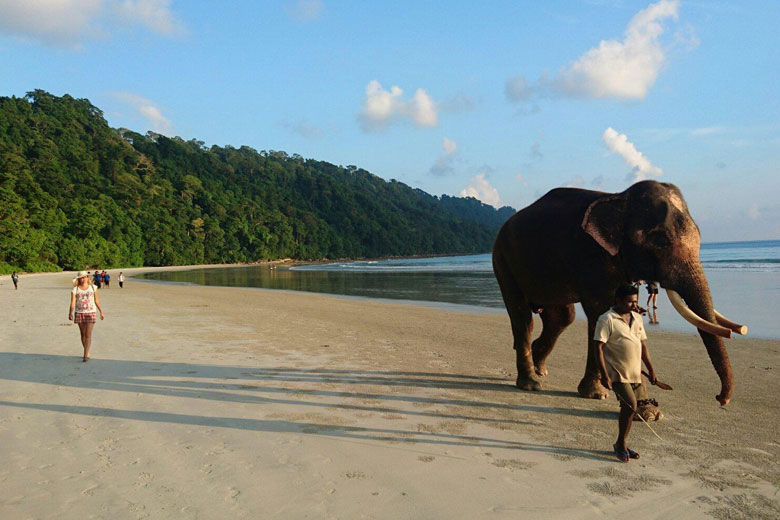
{"type": "Point", "coordinates": [205, 402]}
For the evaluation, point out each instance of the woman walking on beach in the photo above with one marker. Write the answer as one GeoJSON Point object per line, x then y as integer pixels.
{"type": "Point", "coordinates": [84, 299]}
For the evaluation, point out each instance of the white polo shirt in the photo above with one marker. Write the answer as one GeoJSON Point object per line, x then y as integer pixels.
{"type": "Point", "coordinates": [622, 346]}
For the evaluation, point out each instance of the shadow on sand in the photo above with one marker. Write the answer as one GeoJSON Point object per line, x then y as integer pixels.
{"type": "Point", "coordinates": [259, 386]}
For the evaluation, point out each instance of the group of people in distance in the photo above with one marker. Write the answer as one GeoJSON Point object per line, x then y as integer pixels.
{"type": "Point", "coordinates": [101, 278]}
{"type": "Point", "coordinates": [85, 304]}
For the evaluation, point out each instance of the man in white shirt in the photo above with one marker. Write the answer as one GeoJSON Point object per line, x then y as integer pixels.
{"type": "Point", "coordinates": [620, 350]}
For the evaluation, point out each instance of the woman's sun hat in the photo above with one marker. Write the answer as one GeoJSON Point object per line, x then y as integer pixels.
{"type": "Point", "coordinates": [81, 274]}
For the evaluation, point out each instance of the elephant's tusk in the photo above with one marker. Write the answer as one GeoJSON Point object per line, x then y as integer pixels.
{"type": "Point", "coordinates": [693, 318]}
{"type": "Point", "coordinates": [736, 327]}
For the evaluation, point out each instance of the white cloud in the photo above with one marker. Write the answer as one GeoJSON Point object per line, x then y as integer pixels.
{"type": "Point", "coordinates": [305, 10]}
{"type": "Point", "coordinates": [155, 14]}
{"type": "Point", "coordinates": [622, 69]}
{"type": "Point", "coordinates": [148, 110]}
{"type": "Point", "coordinates": [69, 23]}
{"type": "Point", "coordinates": [422, 109]}
{"type": "Point", "coordinates": [63, 23]}
{"type": "Point", "coordinates": [481, 189]}
{"type": "Point", "coordinates": [382, 107]}
{"type": "Point", "coordinates": [641, 169]}
{"type": "Point", "coordinates": [443, 164]}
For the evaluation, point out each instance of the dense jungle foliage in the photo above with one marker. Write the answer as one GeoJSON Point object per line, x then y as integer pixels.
{"type": "Point", "coordinates": [75, 193]}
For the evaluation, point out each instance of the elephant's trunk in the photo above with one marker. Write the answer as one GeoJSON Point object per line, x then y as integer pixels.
{"type": "Point", "coordinates": [696, 293]}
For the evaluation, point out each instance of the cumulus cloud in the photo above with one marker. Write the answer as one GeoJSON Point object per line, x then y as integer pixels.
{"type": "Point", "coordinates": [481, 189]}
{"type": "Point", "coordinates": [148, 110]}
{"type": "Point", "coordinates": [382, 107]}
{"type": "Point", "coordinates": [305, 10]}
{"type": "Point", "coordinates": [69, 23]}
{"type": "Point", "coordinates": [622, 69]}
{"type": "Point", "coordinates": [641, 169]}
{"type": "Point", "coordinates": [443, 164]}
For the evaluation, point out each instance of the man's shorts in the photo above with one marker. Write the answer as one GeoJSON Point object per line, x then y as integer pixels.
{"type": "Point", "coordinates": [627, 393]}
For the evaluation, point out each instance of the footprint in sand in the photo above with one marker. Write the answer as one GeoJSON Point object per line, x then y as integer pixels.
{"type": "Point", "coordinates": [90, 490]}
{"type": "Point", "coordinates": [426, 458]}
{"type": "Point", "coordinates": [232, 494]}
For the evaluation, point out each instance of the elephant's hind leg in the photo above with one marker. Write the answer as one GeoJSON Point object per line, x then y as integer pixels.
{"type": "Point", "coordinates": [522, 327]}
{"type": "Point", "coordinates": [521, 318]}
{"type": "Point", "coordinates": [555, 318]}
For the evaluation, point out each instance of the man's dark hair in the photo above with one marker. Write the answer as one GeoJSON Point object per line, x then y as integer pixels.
{"type": "Point", "coordinates": [624, 290]}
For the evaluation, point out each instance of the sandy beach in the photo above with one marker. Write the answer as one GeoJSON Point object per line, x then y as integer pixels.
{"type": "Point", "coordinates": [205, 402]}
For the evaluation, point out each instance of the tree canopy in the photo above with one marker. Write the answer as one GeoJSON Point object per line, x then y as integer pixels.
{"type": "Point", "coordinates": [75, 193]}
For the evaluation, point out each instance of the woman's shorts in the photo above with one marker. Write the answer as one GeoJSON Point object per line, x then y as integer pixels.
{"type": "Point", "coordinates": [652, 290]}
{"type": "Point", "coordinates": [85, 317]}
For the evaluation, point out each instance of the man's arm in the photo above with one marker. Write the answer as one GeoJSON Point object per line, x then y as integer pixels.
{"type": "Point", "coordinates": [605, 380]}
{"type": "Point", "coordinates": [648, 363]}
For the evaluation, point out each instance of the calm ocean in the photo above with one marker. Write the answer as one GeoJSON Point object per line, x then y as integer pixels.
{"type": "Point", "coordinates": [744, 279]}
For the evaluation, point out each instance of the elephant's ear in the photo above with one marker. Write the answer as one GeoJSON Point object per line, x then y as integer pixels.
{"type": "Point", "coordinates": [604, 222]}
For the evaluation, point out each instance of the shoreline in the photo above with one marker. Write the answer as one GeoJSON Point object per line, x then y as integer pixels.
{"type": "Point", "coordinates": [758, 317]}
{"type": "Point", "coordinates": [205, 400]}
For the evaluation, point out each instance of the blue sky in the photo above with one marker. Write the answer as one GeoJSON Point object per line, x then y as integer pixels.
{"type": "Point", "coordinates": [498, 100]}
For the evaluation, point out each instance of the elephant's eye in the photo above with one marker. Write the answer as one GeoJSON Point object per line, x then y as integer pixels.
{"type": "Point", "coordinates": [658, 239]}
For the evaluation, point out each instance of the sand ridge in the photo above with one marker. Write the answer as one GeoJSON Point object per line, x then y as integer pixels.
{"type": "Point", "coordinates": [204, 402]}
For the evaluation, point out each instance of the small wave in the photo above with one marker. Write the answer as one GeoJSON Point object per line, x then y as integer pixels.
{"type": "Point", "coordinates": [744, 261]}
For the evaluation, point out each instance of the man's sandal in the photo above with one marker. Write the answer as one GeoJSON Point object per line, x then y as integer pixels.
{"type": "Point", "coordinates": [623, 456]}
{"type": "Point", "coordinates": [632, 453]}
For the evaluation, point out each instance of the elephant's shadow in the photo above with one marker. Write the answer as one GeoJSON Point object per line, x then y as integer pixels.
{"type": "Point", "coordinates": [272, 386]}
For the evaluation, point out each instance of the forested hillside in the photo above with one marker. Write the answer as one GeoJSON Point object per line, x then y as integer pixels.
{"type": "Point", "coordinates": [75, 193]}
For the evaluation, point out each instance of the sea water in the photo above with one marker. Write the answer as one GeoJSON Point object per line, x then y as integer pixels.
{"type": "Point", "coordinates": [744, 279]}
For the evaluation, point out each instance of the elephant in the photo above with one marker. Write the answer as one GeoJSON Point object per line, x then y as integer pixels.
{"type": "Point", "coordinates": [576, 245]}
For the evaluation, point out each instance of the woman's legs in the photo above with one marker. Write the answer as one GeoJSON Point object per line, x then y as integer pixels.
{"type": "Point", "coordinates": [86, 337]}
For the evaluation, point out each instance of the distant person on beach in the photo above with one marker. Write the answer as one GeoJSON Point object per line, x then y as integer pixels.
{"type": "Point", "coordinates": [15, 279]}
{"type": "Point", "coordinates": [652, 297]}
{"type": "Point", "coordinates": [106, 279]}
{"type": "Point", "coordinates": [84, 300]}
{"type": "Point", "coordinates": [121, 279]}
{"type": "Point", "coordinates": [652, 294]}
{"type": "Point", "coordinates": [620, 350]}
{"type": "Point", "coordinates": [98, 279]}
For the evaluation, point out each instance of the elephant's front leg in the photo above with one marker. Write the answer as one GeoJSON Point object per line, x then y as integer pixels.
{"type": "Point", "coordinates": [555, 318]}
{"type": "Point", "coordinates": [647, 408]}
{"type": "Point", "coordinates": [590, 387]}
